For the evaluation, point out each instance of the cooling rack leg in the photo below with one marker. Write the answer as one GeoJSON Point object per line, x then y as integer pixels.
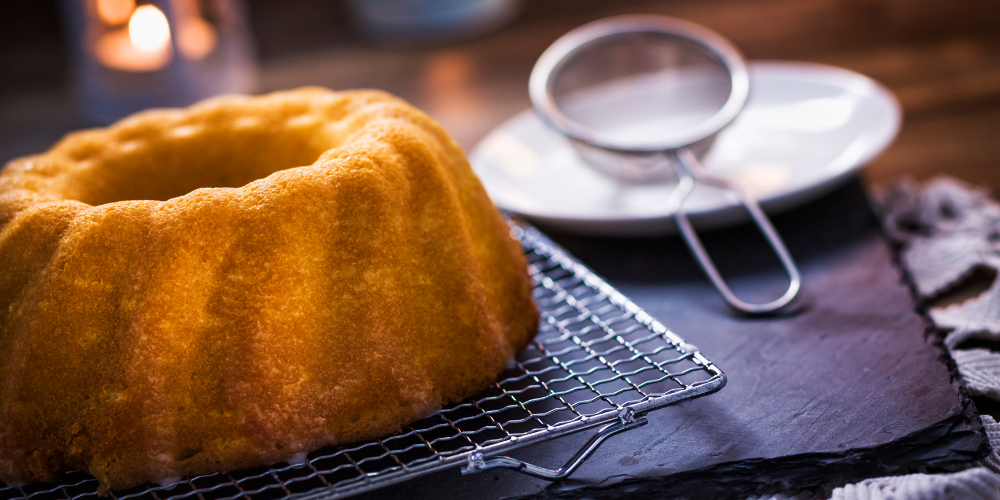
{"type": "Point", "coordinates": [625, 422]}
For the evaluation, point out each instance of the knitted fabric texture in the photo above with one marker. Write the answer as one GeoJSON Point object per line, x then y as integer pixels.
{"type": "Point", "coordinates": [947, 231]}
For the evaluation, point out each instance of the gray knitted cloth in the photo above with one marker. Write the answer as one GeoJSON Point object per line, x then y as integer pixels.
{"type": "Point", "coordinates": [947, 230]}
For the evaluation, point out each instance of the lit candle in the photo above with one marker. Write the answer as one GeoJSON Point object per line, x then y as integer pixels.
{"type": "Point", "coordinates": [131, 55]}
{"type": "Point", "coordinates": [143, 46]}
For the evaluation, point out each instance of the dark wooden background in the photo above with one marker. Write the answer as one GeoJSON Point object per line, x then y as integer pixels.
{"type": "Point", "coordinates": [940, 57]}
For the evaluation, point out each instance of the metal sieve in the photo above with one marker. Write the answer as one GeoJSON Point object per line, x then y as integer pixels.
{"type": "Point", "coordinates": [641, 99]}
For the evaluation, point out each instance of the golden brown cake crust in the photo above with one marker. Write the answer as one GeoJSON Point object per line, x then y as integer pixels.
{"type": "Point", "coordinates": [242, 323]}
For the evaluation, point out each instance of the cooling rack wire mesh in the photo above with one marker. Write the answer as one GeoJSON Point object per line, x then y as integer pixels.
{"type": "Point", "coordinates": [595, 354]}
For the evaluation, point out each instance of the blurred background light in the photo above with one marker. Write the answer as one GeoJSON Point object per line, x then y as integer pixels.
{"type": "Point", "coordinates": [938, 56]}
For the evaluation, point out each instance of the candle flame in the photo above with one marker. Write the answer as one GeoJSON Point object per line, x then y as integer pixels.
{"type": "Point", "coordinates": [148, 29]}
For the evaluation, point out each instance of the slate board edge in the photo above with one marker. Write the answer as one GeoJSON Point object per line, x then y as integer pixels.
{"type": "Point", "coordinates": [949, 442]}
{"type": "Point", "coordinates": [932, 333]}
{"type": "Point", "coordinates": [958, 439]}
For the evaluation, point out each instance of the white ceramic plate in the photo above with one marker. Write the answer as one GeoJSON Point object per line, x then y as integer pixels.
{"type": "Point", "coordinates": [806, 128]}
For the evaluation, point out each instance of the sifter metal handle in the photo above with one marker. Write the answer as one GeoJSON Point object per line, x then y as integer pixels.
{"type": "Point", "coordinates": [690, 172]}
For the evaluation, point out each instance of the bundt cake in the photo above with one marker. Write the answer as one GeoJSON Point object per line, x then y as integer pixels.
{"type": "Point", "coordinates": [239, 282]}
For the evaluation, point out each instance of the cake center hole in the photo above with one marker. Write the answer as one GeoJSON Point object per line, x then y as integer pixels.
{"type": "Point", "coordinates": [192, 157]}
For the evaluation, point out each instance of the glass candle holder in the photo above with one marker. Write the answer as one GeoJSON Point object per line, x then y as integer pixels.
{"type": "Point", "coordinates": [131, 55]}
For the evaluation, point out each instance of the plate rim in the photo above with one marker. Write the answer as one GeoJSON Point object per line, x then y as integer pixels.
{"type": "Point", "coordinates": [731, 213]}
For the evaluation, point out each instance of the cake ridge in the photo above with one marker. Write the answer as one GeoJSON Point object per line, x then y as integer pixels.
{"type": "Point", "coordinates": [269, 309]}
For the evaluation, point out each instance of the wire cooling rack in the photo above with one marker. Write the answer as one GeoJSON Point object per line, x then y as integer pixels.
{"type": "Point", "coordinates": [598, 359]}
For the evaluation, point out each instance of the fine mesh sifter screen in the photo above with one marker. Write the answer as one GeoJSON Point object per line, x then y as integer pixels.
{"type": "Point", "coordinates": [641, 87]}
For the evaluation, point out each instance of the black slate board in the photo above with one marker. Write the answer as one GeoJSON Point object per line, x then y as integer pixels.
{"type": "Point", "coordinates": [849, 385]}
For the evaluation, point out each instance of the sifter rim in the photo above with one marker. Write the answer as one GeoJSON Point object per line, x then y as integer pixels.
{"type": "Point", "coordinates": [554, 58]}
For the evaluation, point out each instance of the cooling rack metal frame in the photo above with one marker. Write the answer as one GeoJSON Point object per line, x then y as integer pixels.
{"type": "Point", "coordinates": [598, 360]}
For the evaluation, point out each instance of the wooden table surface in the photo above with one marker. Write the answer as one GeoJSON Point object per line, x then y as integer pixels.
{"type": "Point", "coordinates": [940, 57]}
